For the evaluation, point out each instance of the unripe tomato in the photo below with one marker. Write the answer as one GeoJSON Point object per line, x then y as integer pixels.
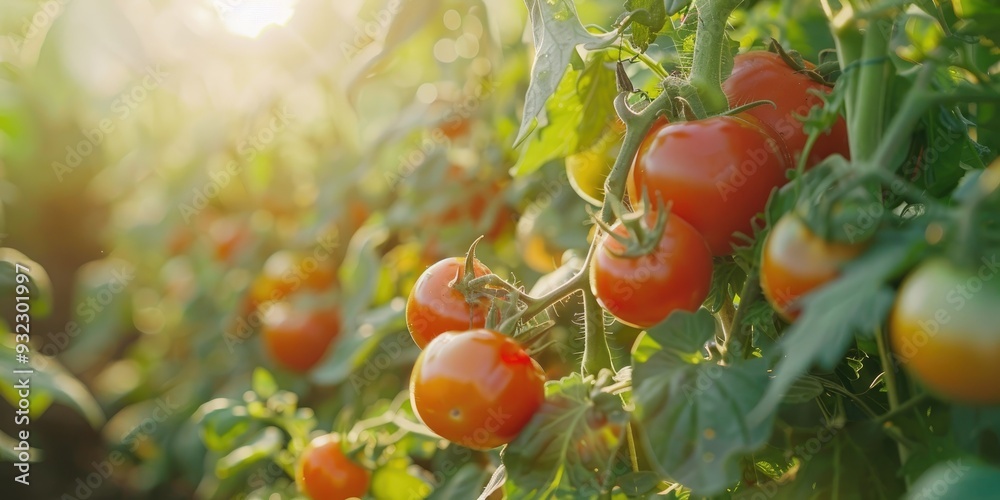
{"type": "Point", "coordinates": [943, 330]}
{"type": "Point", "coordinates": [297, 340]}
{"type": "Point", "coordinates": [762, 75]}
{"type": "Point", "coordinates": [643, 291]}
{"type": "Point", "coordinates": [323, 472]}
{"type": "Point", "coordinates": [718, 172]}
{"type": "Point", "coordinates": [477, 388]}
{"type": "Point", "coordinates": [435, 307]}
{"type": "Point", "coordinates": [795, 261]}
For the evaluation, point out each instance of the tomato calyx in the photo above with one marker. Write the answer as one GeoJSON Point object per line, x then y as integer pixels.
{"type": "Point", "coordinates": [640, 238]}
{"type": "Point", "coordinates": [796, 63]}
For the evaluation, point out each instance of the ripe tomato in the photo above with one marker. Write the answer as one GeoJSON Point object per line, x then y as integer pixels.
{"type": "Point", "coordinates": [795, 261]}
{"type": "Point", "coordinates": [762, 75]}
{"type": "Point", "coordinates": [287, 271]}
{"type": "Point", "coordinates": [643, 291]}
{"type": "Point", "coordinates": [941, 329]}
{"type": "Point", "coordinates": [434, 307]}
{"type": "Point", "coordinates": [323, 472]}
{"type": "Point", "coordinates": [718, 172]}
{"type": "Point", "coordinates": [297, 340]}
{"type": "Point", "coordinates": [477, 388]}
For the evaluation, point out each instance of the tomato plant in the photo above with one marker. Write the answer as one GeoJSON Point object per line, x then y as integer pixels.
{"type": "Point", "coordinates": [717, 174]}
{"type": "Point", "coordinates": [477, 388]}
{"type": "Point", "coordinates": [550, 249]}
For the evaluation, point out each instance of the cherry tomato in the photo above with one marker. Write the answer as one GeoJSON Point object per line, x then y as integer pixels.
{"type": "Point", "coordinates": [476, 388]}
{"type": "Point", "coordinates": [297, 340]}
{"type": "Point", "coordinates": [942, 329]}
{"type": "Point", "coordinates": [286, 272]}
{"type": "Point", "coordinates": [717, 172]}
{"type": "Point", "coordinates": [795, 261]}
{"type": "Point", "coordinates": [434, 307]}
{"type": "Point", "coordinates": [762, 75]}
{"type": "Point", "coordinates": [642, 291]}
{"type": "Point", "coordinates": [323, 472]}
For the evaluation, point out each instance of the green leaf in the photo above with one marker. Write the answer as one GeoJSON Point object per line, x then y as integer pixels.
{"type": "Point", "coordinates": [103, 313]}
{"type": "Point", "coordinates": [972, 427]}
{"type": "Point", "coordinates": [850, 462]}
{"type": "Point", "coordinates": [648, 18]}
{"type": "Point", "coordinates": [858, 301]}
{"type": "Point", "coordinates": [568, 448]}
{"type": "Point", "coordinates": [263, 383]}
{"type": "Point", "coordinates": [49, 381]}
{"type": "Point", "coordinates": [557, 32]}
{"type": "Point", "coordinates": [692, 411]}
{"type": "Point", "coordinates": [578, 114]}
{"type": "Point", "coordinates": [956, 479]}
{"type": "Point", "coordinates": [727, 281]}
{"type": "Point", "coordinates": [378, 342]}
{"type": "Point", "coordinates": [393, 481]}
{"type": "Point", "coordinates": [265, 444]}
{"type": "Point", "coordinates": [222, 421]}
{"type": "Point", "coordinates": [360, 270]}
{"type": "Point", "coordinates": [803, 390]}
{"type": "Point", "coordinates": [672, 7]}
{"type": "Point", "coordinates": [14, 263]}
{"type": "Point", "coordinates": [465, 482]}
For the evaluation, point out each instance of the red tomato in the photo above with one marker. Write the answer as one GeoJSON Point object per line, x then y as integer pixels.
{"type": "Point", "coordinates": [795, 261]}
{"type": "Point", "coordinates": [761, 75]}
{"type": "Point", "coordinates": [476, 388]}
{"type": "Point", "coordinates": [942, 329]}
{"type": "Point", "coordinates": [297, 340]}
{"type": "Point", "coordinates": [643, 291]}
{"type": "Point", "coordinates": [323, 472]}
{"type": "Point", "coordinates": [434, 307]}
{"type": "Point", "coordinates": [286, 272]}
{"type": "Point", "coordinates": [718, 172]}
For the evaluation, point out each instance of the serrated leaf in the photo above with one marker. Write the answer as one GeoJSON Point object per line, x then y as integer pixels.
{"type": "Point", "coordinates": [646, 24]}
{"type": "Point", "coordinates": [840, 463]}
{"type": "Point", "coordinates": [557, 32]}
{"type": "Point", "coordinates": [692, 411]}
{"type": "Point", "coordinates": [857, 301]}
{"type": "Point", "coordinates": [727, 280]}
{"type": "Point", "coordinates": [569, 446]}
{"type": "Point", "coordinates": [578, 114]}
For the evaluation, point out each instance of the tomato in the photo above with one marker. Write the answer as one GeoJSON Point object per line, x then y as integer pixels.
{"type": "Point", "coordinates": [761, 75]}
{"type": "Point", "coordinates": [942, 329]}
{"type": "Point", "coordinates": [287, 271]}
{"type": "Point", "coordinates": [434, 307]}
{"type": "Point", "coordinates": [717, 172]}
{"type": "Point", "coordinates": [323, 472]}
{"type": "Point", "coordinates": [476, 388]}
{"type": "Point", "coordinates": [795, 261]}
{"type": "Point", "coordinates": [642, 291]}
{"type": "Point", "coordinates": [297, 340]}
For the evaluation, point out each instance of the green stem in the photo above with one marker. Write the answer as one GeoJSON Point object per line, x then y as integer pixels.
{"type": "Point", "coordinates": [915, 104]}
{"type": "Point", "coordinates": [596, 353]}
{"type": "Point", "coordinates": [709, 41]}
{"type": "Point", "coordinates": [902, 408]}
{"type": "Point", "coordinates": [892, 390]}
{"type": "Point", "coordinates": [865, 119]}
{"type": "Point", "coordinates": [750, 294]}
{"type": "Point", "coordinates": [642, 57]}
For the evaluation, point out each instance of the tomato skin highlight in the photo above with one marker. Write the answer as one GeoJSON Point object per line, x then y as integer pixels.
{"type": "Point", "coordinates": [643, 291]}
{"type": "Point", "coordinates": [298, 340]}
{"type": "Point", "coordinates": [762, 75]}
{"type": "Point", "coordinates": [434, 307]}
{"type": "Point", "coordinates": [323, 472]}
{"type": "Point", "coordinates": [942, 330]}
{"type": "Point", "coordinates": [718, 173]}
{"type": "Point", "coordinates": [796, 261]}
{"type": "Point", "coordinates": [476, 388]}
